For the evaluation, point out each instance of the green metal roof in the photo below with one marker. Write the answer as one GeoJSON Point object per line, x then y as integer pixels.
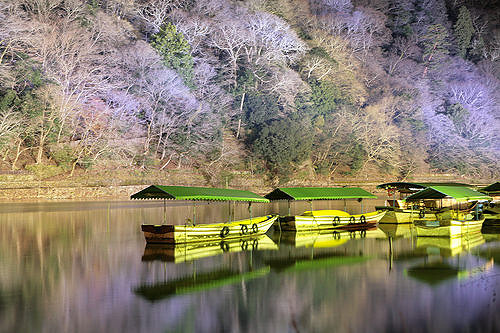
{"type": "Point", "coordinates": [440, 192]}
{"type": "Point", "coordinates": [416, 186]}
{"type": "Point", "coordinates": [196, 193]}
{"type": "Point", "coordinates": [319, 193]}
{"type": "Point", "coordinates": [495, 187]}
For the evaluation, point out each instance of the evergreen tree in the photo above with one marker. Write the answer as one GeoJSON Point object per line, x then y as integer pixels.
{"type": "Point", "coordinates": [175, 51]}
{"type": "Point", "coordinates": [283, 143]}
{"type": "Point", "coordinates": [464, 30]}
{"type": "Point", "coordinates": [435, 43]}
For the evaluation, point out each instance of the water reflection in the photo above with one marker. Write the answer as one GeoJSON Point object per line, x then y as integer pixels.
{"type": "Point", "coordinates": [84, 267]}
{"type": "Point", "coordinates": [182, 252]}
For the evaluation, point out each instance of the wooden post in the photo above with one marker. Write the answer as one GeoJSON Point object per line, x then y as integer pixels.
{"type": "Point", "coordinates": [194, 214]}
{"type": "Point", "coordinates": [390, 254]}
{"type": "Point", "coordinates": [289, 204]}
{"type": "Point", "coordinates": [164, 211]}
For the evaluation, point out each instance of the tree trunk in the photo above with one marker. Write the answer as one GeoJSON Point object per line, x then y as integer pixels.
{"type": "Point", "coordinates": [241, 115]}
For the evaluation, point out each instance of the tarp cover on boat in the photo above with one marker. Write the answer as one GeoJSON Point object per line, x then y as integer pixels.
{"type": "Point", "coordinates": [441, 192]}
{"type": "Point", "coordinates": [493, 188]}
{"type": "Point", "coordinates": [413, 187]}
{"type": "Point", "coordinates": [319, 193]}
{"type": "Point", "coordinates": [196, 193]}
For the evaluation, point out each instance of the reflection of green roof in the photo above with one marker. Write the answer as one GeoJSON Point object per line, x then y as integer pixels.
{"type": "Point", "coordinates": [196, 283]}
{"type": "Point", "coordinates": [319, 193]}
{"type": "Point", "coordinates": [416, 186]}
{"type": "Point", "coordinates": [456, 192]}
{"type": "Point", "coordinates": [433, 274]}
{"type": "Point", "coordinates": [300, 264]}
{"type": "Point", "coordinates": [196, 193]}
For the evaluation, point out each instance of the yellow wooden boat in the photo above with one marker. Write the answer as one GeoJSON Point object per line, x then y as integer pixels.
{"type": "Point", "coordinates": [406, 215]}
{"type": "Point", "coordinates": [324, 219]}
{"type": "Point", "coordinates": [448, 222]}
{"type": "Point", "coordinates": [329, 219]}
{"type": "Point", "coordinates": [404, 211]}
{"type": "Point", "coordinates": [175, 234]}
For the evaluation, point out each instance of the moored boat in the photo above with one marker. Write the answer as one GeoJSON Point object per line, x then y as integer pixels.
{"type": "Point", "coordinates": [450, 222]}
{"type": "Point", "coordinates": [324, 219]}
{"type": "Point", "coordinates": [208, 232]}
{"type": "Point", "coordinates": [174, 234]}
{"type": "Point", "coordinates": [329, 219]}
{"type": "Point", "coordinates": [401, 211]}
{"type": "Point", "coordinates": [493, 190]}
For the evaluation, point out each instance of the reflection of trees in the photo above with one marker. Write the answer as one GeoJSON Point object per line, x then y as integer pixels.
{"type": "Point", "coordinates": [45, 258]}
{"type": "Point", "coordinates": [76, 271]}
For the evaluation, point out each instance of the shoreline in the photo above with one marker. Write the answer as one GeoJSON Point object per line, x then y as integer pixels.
{"type": "Point", "coordinates": [119, 186]}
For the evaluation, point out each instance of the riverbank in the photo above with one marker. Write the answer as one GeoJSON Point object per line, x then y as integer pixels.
{"type": "Point", "coordinates": [120, 184]}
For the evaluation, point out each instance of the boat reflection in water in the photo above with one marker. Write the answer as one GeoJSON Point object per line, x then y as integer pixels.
{"type": "Point", "coordinates": [200, 281]}
{"type": "Point", "coordinates": [226, 275]}
{"type": "Point", "coordinates": [443, 259]}
{"type": "Point", "coordinates": [449, 247]}
{"type": "Point", "coordinates": [178, 253]}
{"type": "Point", "coordinates": [325, 238]}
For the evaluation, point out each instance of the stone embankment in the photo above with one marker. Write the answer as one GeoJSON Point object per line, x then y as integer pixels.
{"type": "Point", "coordinates": [26, 187]}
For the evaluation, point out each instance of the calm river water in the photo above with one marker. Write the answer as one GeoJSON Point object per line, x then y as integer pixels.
{"type": "Point", "coordinates": [85, 267]}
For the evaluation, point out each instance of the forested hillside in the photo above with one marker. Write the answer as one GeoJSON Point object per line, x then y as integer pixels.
{"type": "Point", "coordinates": [275, 87]}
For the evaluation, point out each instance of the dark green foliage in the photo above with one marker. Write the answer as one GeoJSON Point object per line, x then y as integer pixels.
{"type": "Point", "coordinates": [357, 158]}
{"type": "Point", "coordinates": [324, 99]}
{"type": "Point", "coordinates": [246, 80]}
{"type": "Point", "coordinates": [464, 30]}
{"type": "Point", "coordinates": [283, 143]}
{"type": "Point", "coordinates": [321, 52]}
{"type": "Point", "coordinates": [8, 99]}
{"type": "Point", "coordinates": [458, 114]}
{"type": "Point", "coordinates": [260, 108]}
{"type": "Point", "coordinates": [63, 156]}
{"type": "Point", "coordinates": [175, 51]}
{"type": "Point", "coordinates": [435, 43]}
{"type": "Point", "coordinates": [400, 19]}
{"type": "Point", "coordinates": [28, 76]}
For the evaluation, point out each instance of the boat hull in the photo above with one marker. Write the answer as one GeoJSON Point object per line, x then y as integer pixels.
{"type": "Point", "coordinates": [326, 222]}
{"type": "Point", "coordinates": [400, 215]}
{"type": "Point", "coordinates": [449, 228]}
{"type": "Point", "coordinates": [177, 234]}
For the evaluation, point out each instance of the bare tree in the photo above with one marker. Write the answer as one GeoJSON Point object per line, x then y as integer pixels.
{"type": "Point", "coordinates": [278, 42]}
{"type": "Point", "coordinates": [404, 48]}
{"type": "Point", "coordinates": [230, 38]}
{"type": "Point", "coordinates": [155, 13]}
